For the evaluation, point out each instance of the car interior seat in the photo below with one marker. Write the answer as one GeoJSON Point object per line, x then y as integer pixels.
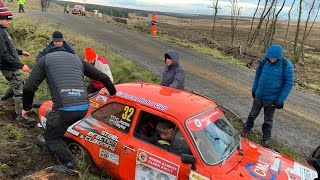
{"type": "Point", "coordinates": [147, 127]}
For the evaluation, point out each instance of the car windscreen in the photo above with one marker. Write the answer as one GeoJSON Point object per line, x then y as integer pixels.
{"type": "Point", "coordinates": [213, 135]}
{"type": "Point", "coordinates": [78, 6]}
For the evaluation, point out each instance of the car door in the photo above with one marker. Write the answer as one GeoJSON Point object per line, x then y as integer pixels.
{"type": "Point", "coordinates": [117, 119]}
{"type": "Point", "coordinates": [141, 158]}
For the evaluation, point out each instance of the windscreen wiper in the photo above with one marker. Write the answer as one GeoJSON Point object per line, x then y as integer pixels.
{"type": "Point", "coordinates": [225, 150]}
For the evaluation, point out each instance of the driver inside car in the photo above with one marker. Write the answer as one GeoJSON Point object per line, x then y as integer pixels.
{"type": "Point", "coordinates": [165, 132]}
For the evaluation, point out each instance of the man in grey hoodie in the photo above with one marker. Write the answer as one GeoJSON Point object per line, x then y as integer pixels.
{"type": "Point", "coordinates": [173, 74]}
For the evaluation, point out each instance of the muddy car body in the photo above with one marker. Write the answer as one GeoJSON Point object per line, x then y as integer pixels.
{"type": "Point", "coordinates": [117, 132]}
{"type": "Point", "coordinates": [79, 9]}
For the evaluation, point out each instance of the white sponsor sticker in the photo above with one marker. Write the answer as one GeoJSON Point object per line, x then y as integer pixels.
{"type": "Point", "coordinates": [109, 156]}
{"type": "Point", "coordinates": [102, 99]}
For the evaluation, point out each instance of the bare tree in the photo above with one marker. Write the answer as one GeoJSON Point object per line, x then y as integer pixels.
{"type": "Point", "coordinates": [289, 19]}
{"type": "Point", "coordinates": [296, 53]}
{"type": "Point", "coordinates": [273, 26]}
{"type": "Point", "coordinates": [264, 14]}
{"type": "Point", "coordinates": [306, 30]}
{"type": "Point", "coordinates": [252, 21]}
{"type": "Point", "coordinates": [215, 8]}
{"type": "Point", "coordinates": [235, 13]}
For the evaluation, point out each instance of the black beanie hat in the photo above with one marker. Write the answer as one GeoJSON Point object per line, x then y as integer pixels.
{"type": "Point", "coordinates": [5, 13]}
{"type": "Point", "coordinates": [57, 36]}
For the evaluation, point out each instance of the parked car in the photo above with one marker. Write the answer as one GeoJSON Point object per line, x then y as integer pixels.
{"type": "Point", "coordinates": [118, 135]}
{"type": "Point", "coordinates": [79, 9]}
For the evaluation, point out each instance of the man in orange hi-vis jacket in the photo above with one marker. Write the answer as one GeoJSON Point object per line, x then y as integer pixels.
{"type": "Point", "coordinates": [154, 24]}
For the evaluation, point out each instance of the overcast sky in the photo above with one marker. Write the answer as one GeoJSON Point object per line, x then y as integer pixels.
{"type": "Point", "coordinates": [190, 6]}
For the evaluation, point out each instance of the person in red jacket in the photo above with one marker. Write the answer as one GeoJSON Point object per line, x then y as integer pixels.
{"type": "Point", "coordinates": [101, 64]}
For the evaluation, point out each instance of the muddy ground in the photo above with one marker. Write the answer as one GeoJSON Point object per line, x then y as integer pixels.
{"type": "Point", "coordinates": [19, 156]}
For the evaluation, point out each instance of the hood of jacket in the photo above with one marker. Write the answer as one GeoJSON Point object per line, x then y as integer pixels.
{"type": "Point", "coordinates": [274, 51]}
{"type": "Point", "coordinates": [174, 56]}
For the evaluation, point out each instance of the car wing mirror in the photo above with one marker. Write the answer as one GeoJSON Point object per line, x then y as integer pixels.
{"type": "Point", "coordinates": [189, 159]}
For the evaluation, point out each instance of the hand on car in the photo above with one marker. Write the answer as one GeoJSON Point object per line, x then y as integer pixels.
{"type": "Point", "coordinates": [24, 113]}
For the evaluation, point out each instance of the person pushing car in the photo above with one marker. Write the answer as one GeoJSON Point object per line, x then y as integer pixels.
{"type": "Point", "coordinates": [64, 73]}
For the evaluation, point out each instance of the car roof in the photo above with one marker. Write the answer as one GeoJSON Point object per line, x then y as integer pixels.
{"type": "Point", "coordinates": [177, 103]}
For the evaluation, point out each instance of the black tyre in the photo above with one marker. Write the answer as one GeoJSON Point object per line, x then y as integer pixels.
{"type": "Point", "coordinates": [82, 156]}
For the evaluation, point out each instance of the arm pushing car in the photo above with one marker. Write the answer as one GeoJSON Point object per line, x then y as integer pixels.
{"type": "Point", "coordinates": [64, 73]}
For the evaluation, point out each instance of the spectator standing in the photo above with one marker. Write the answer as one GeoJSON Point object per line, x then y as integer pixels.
{"type": "Point", "coordinates": [173, 74]}
{"type": "Point", "coordinates": [10, 66]}
{"type": "Point", "coordinates": [272, 84]}
{"type": "Point", "coordinates": [57, 41]}
{"type": "Point", "coordinates": [21, 6]}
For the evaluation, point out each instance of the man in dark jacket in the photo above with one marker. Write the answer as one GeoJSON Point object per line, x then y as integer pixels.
{"type": "Point", "coordinates": [272, 84]}
{"type": "Point", "coordinates": [64, 73]}
{"type": "Point", "coordinates": [10, 66]}
{"type": "Point", "coordinates": [173, 74]}
{"type": "Point", "coordinates": [57, 41]}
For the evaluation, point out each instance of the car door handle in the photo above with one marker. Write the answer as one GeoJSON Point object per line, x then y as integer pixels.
{"type": "Point", "coordinates": [125, 147]}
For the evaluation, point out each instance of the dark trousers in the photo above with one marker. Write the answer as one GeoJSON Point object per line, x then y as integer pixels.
{"type": "Point", "coordinates": [269, 109]}
{"type": "Point", "coordinates": [21, 8]}
{"type": "Point", "coordinates": [56, 125]}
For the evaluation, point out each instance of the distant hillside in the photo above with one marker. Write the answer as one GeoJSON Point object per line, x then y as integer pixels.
{"type": "Point", "coordinates": [124, 12]}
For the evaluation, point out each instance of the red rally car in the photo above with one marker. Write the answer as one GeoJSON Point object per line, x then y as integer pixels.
{"type": "Point", "coordinates": [119, 132]}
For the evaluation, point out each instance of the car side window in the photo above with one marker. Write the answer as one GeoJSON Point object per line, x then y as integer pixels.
{"type": "Point", "coordinates": [118, 116]}
{"type": "Point", "coordinates": [161, 133]}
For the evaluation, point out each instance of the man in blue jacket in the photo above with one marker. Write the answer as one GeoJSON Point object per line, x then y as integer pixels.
{"type": "Point", "coordinates": [57, 41]}
{"type": "Point", "coordinates": [272, 84]}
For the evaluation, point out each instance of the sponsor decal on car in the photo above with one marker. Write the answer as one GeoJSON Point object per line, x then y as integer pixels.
{"type": "Point", "coordinates": [105, 139]}
{"type": "Point", "coordinates": [150, 166]}
{"type": "Point", "coordinates": [102, 99]}
{"type": "Point", "coordinates": [300, 172]}
{"type": "Point", "coordinates": [196, 176]}
{"type": "Point", "coordinates": [142, 100]}
{"type": "Point", "coordinates": [114, 158]}
{"type": "Point", "coordinates": [94, 104]}
{"type": "Point", "coordinates": [252, 145]}
{"type": "Point", "coordinates": [119, 123]}
{"type": "Point", "coordinates": [267, 167]}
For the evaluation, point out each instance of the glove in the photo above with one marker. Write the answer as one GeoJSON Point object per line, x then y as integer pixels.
{"type": "Point", "coordinates": [280, 105]}
{"type": "Point", "coordinates": [253, 95]}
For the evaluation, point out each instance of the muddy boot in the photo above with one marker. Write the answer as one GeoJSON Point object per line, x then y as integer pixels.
{"type": "Point", "coordinates": [41, 142]}
{"type": "Point", "coordinates": [67, 168]}
{"type": "Point", "coordinates": [8, 94]}
{"type": "Point", "coordinates": [27, 123]}
{"type": "Point", "coordinates": [265, 143]}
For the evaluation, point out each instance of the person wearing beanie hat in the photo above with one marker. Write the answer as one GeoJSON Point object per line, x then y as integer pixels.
{"type": "Point", "coordinates": [272, 84]}
{"type": "Point", "coordinates": [10, 66]}
{"type": "Point", "coordinates": [101, 64]}
{"type": "Point", "coordinates": [57, 41]}
{"type": "Point", "coordinates": [173, 74]}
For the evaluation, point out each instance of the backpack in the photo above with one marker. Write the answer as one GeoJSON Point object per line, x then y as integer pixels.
{"type": "Point", "coordinates": [284, 64]}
